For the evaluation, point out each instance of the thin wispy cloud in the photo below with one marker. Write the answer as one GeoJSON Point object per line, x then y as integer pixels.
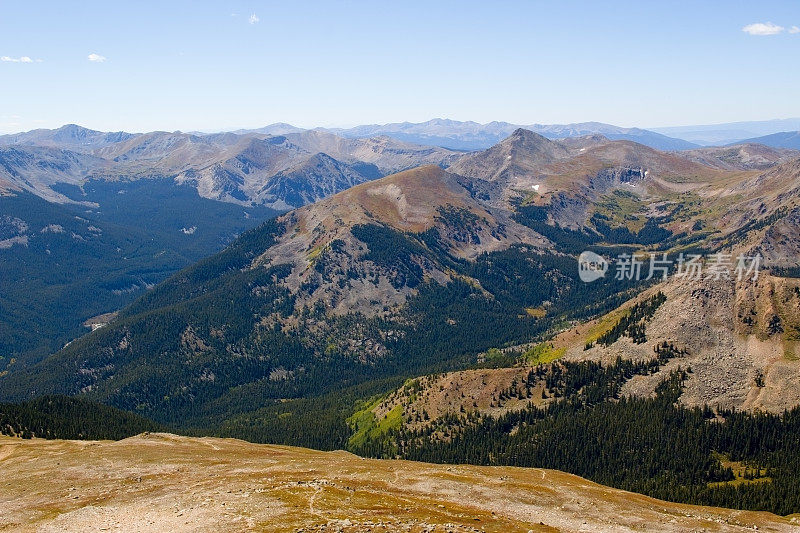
{"type": "Point", "coordinates": [253, 19]}
{"type": "Point", "coordinates": [794, 29]}
{"type": "Point", "coordinates": [9, 123]}
{"type": "Point", "coordinates": [96, 58]}
{"type": "Point", "coordinates": [23, 59]}
{"type": "Point", "coordinates": [763, 28]}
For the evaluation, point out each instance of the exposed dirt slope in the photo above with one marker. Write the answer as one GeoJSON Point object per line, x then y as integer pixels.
{"type": "Point", "coordinates": [168, 483]}
{"type": "Point", "coordinates": [742, 341]}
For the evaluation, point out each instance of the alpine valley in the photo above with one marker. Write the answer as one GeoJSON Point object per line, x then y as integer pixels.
{"type": "Point", "coordinates": [405, 301]}
{"type": "Point", "coordinates": [90, 220]}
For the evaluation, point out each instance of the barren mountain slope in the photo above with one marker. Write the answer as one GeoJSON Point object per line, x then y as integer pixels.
{"type": "Point", "coordinates": [6, 187]}
{"type": "Point", "coordinates": [311, 180]}
{"type": "Point", "coordinates": [524, 151]}
{"type": "Point", "coordinates": [157, 482]}
{"type": "Point", "coordinates": [740, 156]}
{"type": "Point", "coordinates": [37, 169]}
{"type": "Point", "coordinates": [386, 153]}
{"type": "Point", "coordinates": [741, 337]}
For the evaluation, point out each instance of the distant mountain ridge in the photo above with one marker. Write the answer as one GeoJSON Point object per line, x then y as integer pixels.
{"type": "Point", "coordinates": [70, 136]}
{"type": "Point", "coordinates": [784, 139]}
{"type": "Point", "coordinates": [451, 134]}
{"type": "Point", "coordinates": [470, 135]}
{"type": "Point", "coordinates": [248, 168]}
{"type": "Point", "coordinates": [741, 156]}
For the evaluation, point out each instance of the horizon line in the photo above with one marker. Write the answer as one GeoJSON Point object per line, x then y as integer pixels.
{"type": "Point", "coordinates": [377, 124]}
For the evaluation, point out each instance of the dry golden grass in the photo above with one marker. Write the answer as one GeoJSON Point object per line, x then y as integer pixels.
{"type": "Point", "coordinates": [168, 483]}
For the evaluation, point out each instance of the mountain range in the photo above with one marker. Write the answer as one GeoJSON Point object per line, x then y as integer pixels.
{"type": "Point", "coordinates": [474, 136]}
{"type": "Point", "coordinates": [436, 313]}
{"type": "Point", "coordinates": [248, 169]}
{"type": "Point", "coordinates": [784, 139]}
{"type": "Point", "coordinates": [348, 281]}
{"type": "Point", "coordinates": [470, 135]}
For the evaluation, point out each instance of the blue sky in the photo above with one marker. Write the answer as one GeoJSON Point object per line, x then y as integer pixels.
{"type": "Point", "coordinates": [226, 65]}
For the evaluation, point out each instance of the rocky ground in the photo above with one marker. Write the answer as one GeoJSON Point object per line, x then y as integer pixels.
{"type": "Point", "coordinates": [159, 482]}
{"type": "Point", "coordinates": [741, 340]}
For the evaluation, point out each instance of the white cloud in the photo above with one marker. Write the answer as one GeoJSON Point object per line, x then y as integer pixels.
{"type": "Point", "coordinates": [96, 58]}
{"type": "Point", "coordinates": [794, 29]}
{"type": "Point", "coordinates": [763, 28]}
{"type": "Point", "coordinates": [23, 59]}
{"type": "Point", "coordinates": [253, 19]}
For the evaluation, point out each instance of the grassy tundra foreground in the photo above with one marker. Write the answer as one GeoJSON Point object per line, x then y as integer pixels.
{"type": "Point", "coordinates": [161, 482]}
